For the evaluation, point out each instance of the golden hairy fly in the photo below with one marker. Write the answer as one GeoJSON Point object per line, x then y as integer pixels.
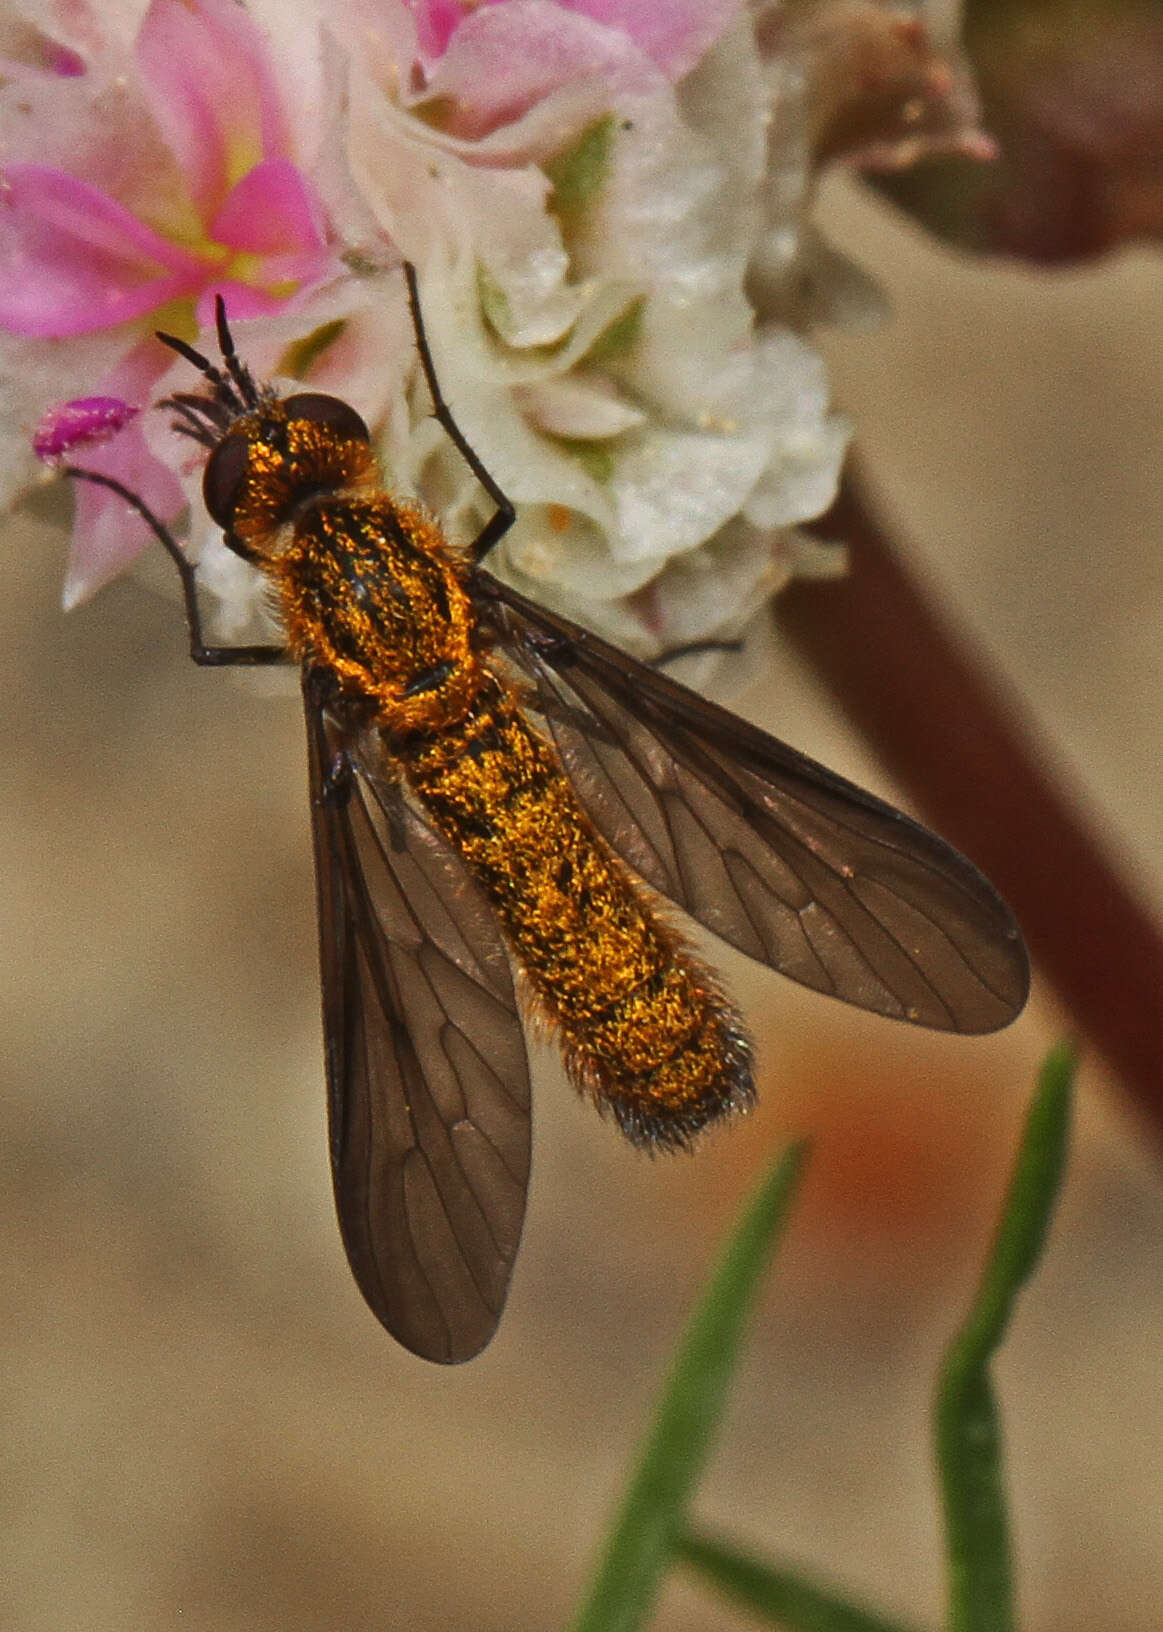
{"type": "Point", "coordinates": [498, 798]}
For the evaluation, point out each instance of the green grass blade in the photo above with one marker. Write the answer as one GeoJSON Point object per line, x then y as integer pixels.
{"type": "Point", "coordinates": [967, 1427]}
{"type": "Point", "coordinates": [654, 1507]}
{"type": "Point", "coordinates": [777, 1596]}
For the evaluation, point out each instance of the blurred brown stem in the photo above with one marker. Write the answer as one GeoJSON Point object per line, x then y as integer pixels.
{"type": "Point", "coordinates": [931, 710]}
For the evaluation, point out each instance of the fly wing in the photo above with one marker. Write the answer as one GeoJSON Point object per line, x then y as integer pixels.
{"type": "Point", "coordinates": [785, 860]}
{"type": "Point", "coordinates": [428, 1082]}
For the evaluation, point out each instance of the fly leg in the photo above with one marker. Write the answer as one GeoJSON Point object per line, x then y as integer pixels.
{"type": "Point", "coordinates": [213, 657]}
{"type": "Point", "coordinates": [495, 529]}
{"type": "Point", "coordinates": [694, 648]}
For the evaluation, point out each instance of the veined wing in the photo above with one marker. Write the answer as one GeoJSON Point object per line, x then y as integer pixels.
{"type": "Point", "coordinates": [428, 1082]}
{"type": "Point", "coordinates": [784, 859]}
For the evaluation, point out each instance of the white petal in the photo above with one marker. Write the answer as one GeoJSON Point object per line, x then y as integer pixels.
{"type": "Point", "coordinates": [583, 407]}
{"type": "Point", "coordinates": [673, 490]}
{"type": "Point", "coordinates": [563, 554]}
{"type": "Point", "coordinates": [801, 480]}
{"type": "Point", "coordinates": [713, 592]}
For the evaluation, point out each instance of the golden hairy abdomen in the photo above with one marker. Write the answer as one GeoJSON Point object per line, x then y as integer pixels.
{"type": "Point", "coordinates": [644, 1029]}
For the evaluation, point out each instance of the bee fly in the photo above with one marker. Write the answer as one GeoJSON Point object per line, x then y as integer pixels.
{"type": "Point", "coordinates": [495, 790]}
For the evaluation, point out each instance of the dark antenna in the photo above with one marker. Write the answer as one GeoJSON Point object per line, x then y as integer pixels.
{"type": "Point", "coordinates": [195, 412]}
{"type": "Point", "coordinates": [207, 418]}
{"type": "Point", "coordinates": [237, 370]}
{"type": "Point", "coordinates": [203, 364]}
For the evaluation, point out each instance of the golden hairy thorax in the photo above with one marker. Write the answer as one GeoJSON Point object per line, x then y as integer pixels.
{"type": "Point", "coordinates": [369, 589]}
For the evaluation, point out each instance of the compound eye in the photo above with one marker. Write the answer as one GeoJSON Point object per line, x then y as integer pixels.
{"type": "Point", "coordinates": [329, 411]}
{"type": "Point", "coordinates": [224, 476]}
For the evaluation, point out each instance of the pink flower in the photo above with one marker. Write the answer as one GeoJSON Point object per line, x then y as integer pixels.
{"type": "Point", "coordinates": [188, 188]}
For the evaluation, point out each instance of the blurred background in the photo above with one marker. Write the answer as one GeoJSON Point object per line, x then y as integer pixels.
{"type": "Point", "coordinates": [205, 1428]}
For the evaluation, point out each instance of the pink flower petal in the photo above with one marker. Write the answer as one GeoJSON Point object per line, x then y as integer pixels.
{"type": "Point", "coordinates": [243, 301]}
{"type": "Point", "coordinates": [73, 260]}
{"type": "Point", "coordinates": [83, 423]}
{"type": "Point", "coordinates": [674, 34]}
{"type": "Point", "coordinates": [504, 58]}
{"type": "Point", "coordinates": [270, 211]}
{"type": "Point", "coordinates": [436, 22]}
{"type": "Point", "coordinates": [107, 534]}
{"type": "Point", "coordinates": [286, 274]}
{"type": "Point", "coordinates": [209, 80]}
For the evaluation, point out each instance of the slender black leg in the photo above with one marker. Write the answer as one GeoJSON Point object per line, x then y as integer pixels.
{"type": "Point", "coordinates": [495, 529]}
{"type": "Point", "coordinates": [694, 648]}
{"type": "Point", "coordinates": [208, 656]}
